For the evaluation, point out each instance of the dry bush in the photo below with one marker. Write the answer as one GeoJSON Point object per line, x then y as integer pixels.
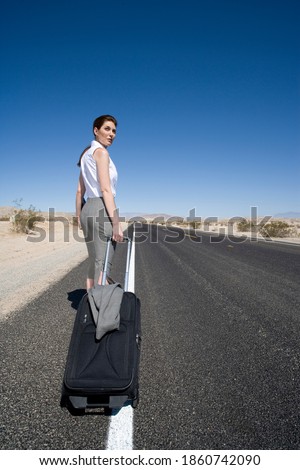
{"type": "Point", "coordinates": [276, 228]}
{"type": "Point", "coordinates": [24, 220]}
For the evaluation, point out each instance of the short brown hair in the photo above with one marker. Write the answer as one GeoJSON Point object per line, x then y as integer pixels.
{"type": "Point", "coordinates": [99, 121]}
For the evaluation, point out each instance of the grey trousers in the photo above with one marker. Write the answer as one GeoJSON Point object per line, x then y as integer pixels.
{"type": "Point", "coordinates": [96, 226]}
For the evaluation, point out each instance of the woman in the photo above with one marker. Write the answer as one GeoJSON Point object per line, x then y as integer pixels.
{"type": "Point", "coordinates": [98, 217]}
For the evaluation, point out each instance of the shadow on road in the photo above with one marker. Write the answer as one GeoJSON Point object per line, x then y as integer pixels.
{"type": "Point", "coordinates": [75, 297]}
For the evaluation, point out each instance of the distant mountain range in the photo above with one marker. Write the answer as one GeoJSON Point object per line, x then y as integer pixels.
{"type": "Point", "coordinates": [6, 211]}
{"type": "Point", "coordinates": [144, 215]}
{"type": "Point", "coordinates": [288, 215]}
{"type": "Point", "coordinates": [9, 210]}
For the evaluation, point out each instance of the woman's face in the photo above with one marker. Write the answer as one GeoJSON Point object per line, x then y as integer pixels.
{"type": "Point", "coordinates": [106, 134]}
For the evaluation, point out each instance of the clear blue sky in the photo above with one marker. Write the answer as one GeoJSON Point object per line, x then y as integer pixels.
{"type": "Point", "coordinates": [206, 93]}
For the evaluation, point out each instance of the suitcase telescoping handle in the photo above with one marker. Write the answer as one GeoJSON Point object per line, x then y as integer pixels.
{"type": "Point", "coordinates": [108, 247]}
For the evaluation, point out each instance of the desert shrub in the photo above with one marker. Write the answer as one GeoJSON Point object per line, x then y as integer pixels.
{"type": "Point", "coordinates": [245, 225]}
{"type": "Point", "coordinates": [194, 224]}
{"type": "Point", "coordinates": [24, 220]}
{"type": "Point", "coordinates": [275, 229]}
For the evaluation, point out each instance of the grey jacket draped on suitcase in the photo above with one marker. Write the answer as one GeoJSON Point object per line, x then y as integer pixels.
{"type": "Point", "coordinates": [105, 303]}
{"type": "Point", "coordinates": [104, 372]}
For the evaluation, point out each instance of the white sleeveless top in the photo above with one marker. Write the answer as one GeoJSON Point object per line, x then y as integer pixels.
{"type": "Point", "coordinates": [90, 175]}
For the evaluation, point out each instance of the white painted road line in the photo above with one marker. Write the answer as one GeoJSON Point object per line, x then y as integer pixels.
{"type": "Point", "coordinates": [131, 277]}
{"type": "Point", "coordinates": [120, 431]}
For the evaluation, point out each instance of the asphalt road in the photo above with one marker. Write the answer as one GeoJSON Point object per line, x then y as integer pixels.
{"type": "Point", "coordinates": [220, 351]}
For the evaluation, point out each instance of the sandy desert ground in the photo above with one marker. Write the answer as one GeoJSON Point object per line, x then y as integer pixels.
{"type": "Point", "coordinates": [30, 263]}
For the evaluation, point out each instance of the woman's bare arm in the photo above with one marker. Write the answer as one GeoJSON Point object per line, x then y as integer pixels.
{"type": "Point", "coordinates": [101, 157]}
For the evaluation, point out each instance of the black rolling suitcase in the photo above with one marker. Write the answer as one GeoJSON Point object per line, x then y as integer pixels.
{"type": "Point", "coordinates": [104, 373]}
